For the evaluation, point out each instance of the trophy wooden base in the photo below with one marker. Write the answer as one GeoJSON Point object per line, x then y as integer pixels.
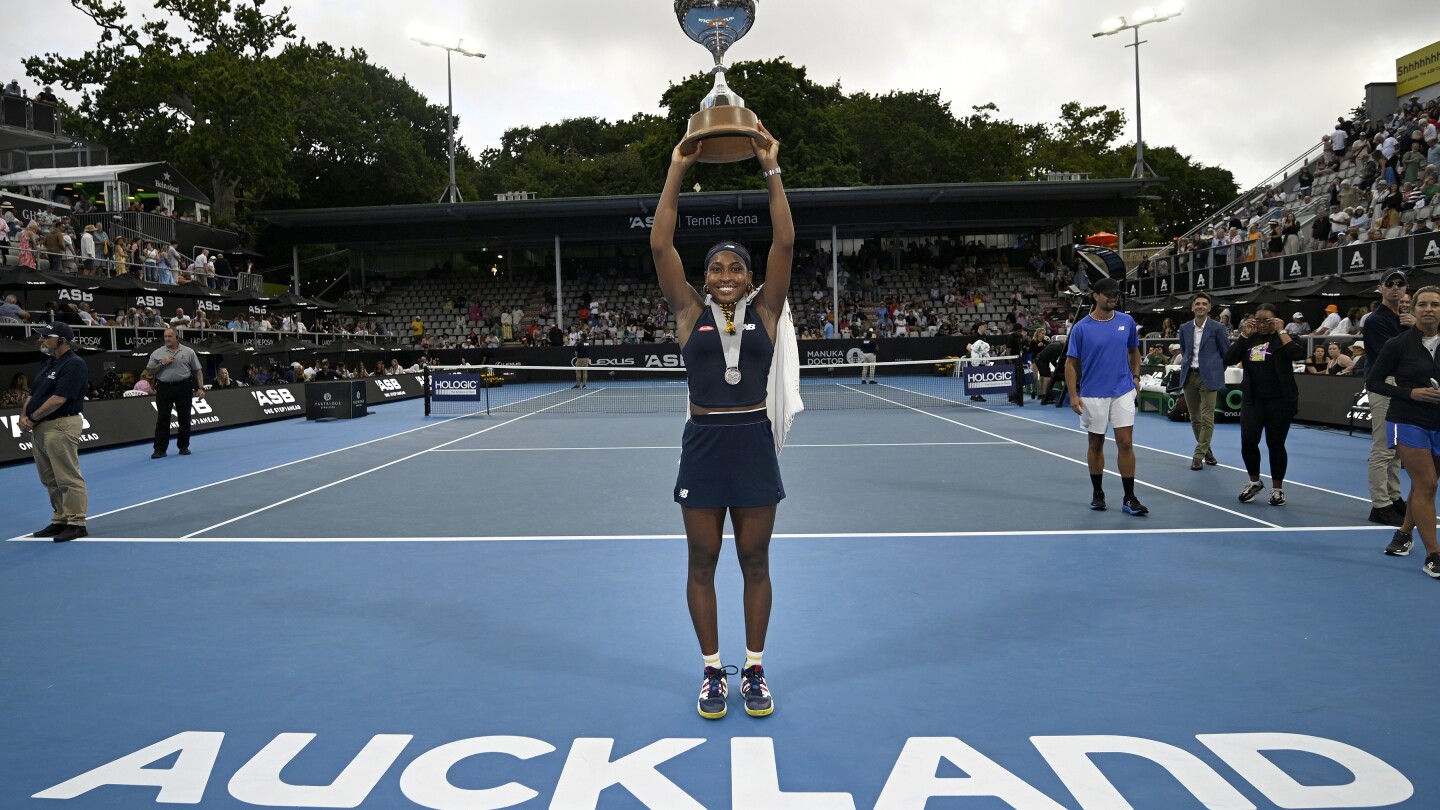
{"type": "Point", "coordinates": [728, 132]}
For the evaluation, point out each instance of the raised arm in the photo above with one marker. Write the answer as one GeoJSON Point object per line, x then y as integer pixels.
{"type": "Point", "coordinates": [679, 294]}
{"type": "Point", "coordinates": [782, 238]}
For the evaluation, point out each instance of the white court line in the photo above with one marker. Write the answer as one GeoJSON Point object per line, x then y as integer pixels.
{"type": "Point", "coordinates": [379, 467]}
{"type": "Point", "coordinates": [1288, 481]}
{"type": "Point", "coordinates": [1080, 462]}
{"type": "Point", "coordinates": [677, 447]}
{"type": "Point", "coordinates": [265, 470]}
{"type": "Point", "coordinates": [778, 536]}
{"type": "Point", "coordinates": [276, 467]}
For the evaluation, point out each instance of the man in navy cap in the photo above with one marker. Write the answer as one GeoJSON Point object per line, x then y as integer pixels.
{"type": "Point", "coordinates": [1386, 322]}
{"type": "Point", "coordinates": [52, 416]}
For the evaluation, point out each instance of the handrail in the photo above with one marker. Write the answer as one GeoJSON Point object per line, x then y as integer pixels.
{"type": "Point", "coordinates": [1264, 184]}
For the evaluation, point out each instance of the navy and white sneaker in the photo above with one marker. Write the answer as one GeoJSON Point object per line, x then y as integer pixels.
{"type": "Point", "coordinates": [1277, 497]}
{"type": "Point", "coordinates": [1252, 488]}
{"type": "Point", "coordinates": [1400, 544]}
{"type": "Point", "coordinates": [714, 692]}
{"type": "Point", "coordinates": [758, 702]}
{"type": "Point", "coordinates": [1432, 565]}
{"type": "Point", "coordinates": [1098, 502]}
{"type": "Point", "coordinates": [1131, 506]}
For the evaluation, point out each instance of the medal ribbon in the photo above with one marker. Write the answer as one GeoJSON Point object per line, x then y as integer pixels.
{"type": "Point", "coordinates": [729, 344]}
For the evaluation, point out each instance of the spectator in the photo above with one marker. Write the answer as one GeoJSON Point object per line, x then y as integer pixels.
{"type": "Point", "coordinates": [1317, 362]}
{"type": "Point", "coordinates": [1332, 320]}
{"type": "Point", "coordinates": [1298, 325]}
{"type": "Point", "coordinates": [1336, 361]}
{"type": "Point", "coordinates": [87, 251]}
{"type": "Point", "coordinates": [17, 393]}
{"type": "Point", "coordinates": [146, 385]}
{"type": "Point", "coordinates": [223, 379]}
{"type": "Point", "coordinates": [1350, 324]}
{"type": "Point", "coordinates": [11, 309]}
{"type": "Point", "coordinates": [1357, 360]}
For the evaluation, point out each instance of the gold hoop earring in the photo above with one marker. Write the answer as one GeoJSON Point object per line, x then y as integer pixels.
{"type": "Point", "coordinates": [749, 288]}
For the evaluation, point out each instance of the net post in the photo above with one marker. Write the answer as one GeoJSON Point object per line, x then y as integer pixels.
{"type": "Point", "coordinates": [1020, 379]}
{"type": "Point", "coordinates": [485, 374]}
{"type": "Point", "coordinates": [427, 389]}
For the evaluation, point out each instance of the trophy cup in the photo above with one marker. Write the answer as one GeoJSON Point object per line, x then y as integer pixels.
{"type": "Point", "coordinates": [723, 123]}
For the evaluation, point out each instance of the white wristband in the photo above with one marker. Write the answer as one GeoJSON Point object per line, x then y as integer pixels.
{"type": "Point", "coordinates": [769, 172]}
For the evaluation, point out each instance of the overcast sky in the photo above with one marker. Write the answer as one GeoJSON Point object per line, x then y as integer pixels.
{"type": "Point", "coordinates": [1237, 83]}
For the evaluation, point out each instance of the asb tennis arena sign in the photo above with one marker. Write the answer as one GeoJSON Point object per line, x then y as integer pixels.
{"type": "Point", "coordinates": [182, 770]}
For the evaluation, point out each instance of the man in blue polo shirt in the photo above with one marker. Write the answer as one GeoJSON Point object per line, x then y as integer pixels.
{"type": "Point", "coordinates": [52, 416]}
{"type": "Point", "coordinates": [1105, 350]}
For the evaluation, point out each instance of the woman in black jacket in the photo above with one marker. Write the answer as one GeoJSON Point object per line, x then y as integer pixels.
{"type": "Point", "coordinates": [1412, 425]}
{"type": "Point", "coordinates": [1269, 397]}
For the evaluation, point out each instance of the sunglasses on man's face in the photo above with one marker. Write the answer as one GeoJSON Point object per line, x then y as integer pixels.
{"type": "Point", "coordinates": [1393, 284]}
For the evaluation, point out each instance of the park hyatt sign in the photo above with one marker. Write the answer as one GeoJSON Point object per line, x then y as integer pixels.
{"type": "Point", "coordinates": [182, 768]}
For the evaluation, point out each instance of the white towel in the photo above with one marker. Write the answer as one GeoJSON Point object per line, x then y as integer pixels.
{"type": "Point", "coordinates": [784, 381]}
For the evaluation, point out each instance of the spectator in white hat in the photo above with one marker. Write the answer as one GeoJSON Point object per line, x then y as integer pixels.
{"type": "Point", "coordinates": [1298, 325]}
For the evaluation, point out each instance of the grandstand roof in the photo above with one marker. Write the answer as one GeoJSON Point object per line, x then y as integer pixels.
{"type": "Point", "coordinates": [155, 175]}
{"type": "Point", "coordinates": [971, 208]}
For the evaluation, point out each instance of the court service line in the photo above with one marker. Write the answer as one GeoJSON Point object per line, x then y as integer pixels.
{"type": "Point", "coordinates": [677, 447]}
{"type": "Point", "coordinates": [1266, 471]}
{"type": "Point", "coordinates": [1231, 531]}
{"type": "Point", "coordinates": [1076, 461]}
{"type": "Point", "coordinates": [323, 487]}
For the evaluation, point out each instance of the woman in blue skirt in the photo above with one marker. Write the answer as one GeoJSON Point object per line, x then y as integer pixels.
{"type": "Point", "coordinates": [728, 463]}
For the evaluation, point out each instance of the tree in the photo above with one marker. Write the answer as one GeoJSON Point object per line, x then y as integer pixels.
{"type": "Point", "coordinates": [1082, 141]}
{"type": "Point", "coordinates": [903, 137]}
{"type": "Point", "coordinates": [232, 100]}
{"type": "Point", "coordinates": [1192, 192]}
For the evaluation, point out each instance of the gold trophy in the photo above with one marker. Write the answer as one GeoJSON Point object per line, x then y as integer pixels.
{"type": "Point", "coordinates": [723, 123]}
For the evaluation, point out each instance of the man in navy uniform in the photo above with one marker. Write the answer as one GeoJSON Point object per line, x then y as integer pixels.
{"type": "Point", "coordinates": [52, 416]}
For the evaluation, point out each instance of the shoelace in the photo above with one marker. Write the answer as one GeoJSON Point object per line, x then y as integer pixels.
{"type": "Point", "coordinates": [755, 680]}
{"type": "Point", "coordinates": [714, 678]}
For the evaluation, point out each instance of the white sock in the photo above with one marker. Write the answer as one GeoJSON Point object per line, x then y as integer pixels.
{"type": "Point", "coordinates": [752, 658]}
{"type": "Point", "coordinates": [711, 660]}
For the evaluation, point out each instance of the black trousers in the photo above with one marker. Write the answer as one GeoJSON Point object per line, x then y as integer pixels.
{"type": "Point", "coordinates": [176, 395]}
{"type": "Point", "coordinates": [1272, 416]}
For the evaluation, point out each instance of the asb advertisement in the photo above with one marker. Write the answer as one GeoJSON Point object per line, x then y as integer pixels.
{"type": "Point", "coordinates": [114, 422]}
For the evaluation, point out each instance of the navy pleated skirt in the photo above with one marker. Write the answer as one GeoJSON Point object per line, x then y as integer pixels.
{"type": "Point", "coordinates": [728, 459]}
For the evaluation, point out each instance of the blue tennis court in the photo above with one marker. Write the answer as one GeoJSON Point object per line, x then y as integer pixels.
{"type": "Point", "coordinates": [488, 611]}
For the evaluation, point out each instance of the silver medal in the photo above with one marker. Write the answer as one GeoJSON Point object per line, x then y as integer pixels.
{"type": "Point", "coordinates": [732, 376]}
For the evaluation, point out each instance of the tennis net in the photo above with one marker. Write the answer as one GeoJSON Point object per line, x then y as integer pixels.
{"type": "Point", "coordinates": [600, 388]}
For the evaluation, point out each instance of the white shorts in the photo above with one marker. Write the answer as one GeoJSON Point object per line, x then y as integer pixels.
{"type": "Point", "coordinates": [1099, 414]}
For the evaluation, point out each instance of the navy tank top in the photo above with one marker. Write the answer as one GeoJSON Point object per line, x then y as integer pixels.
{"type": "Point", "coordinates": [705, 363]}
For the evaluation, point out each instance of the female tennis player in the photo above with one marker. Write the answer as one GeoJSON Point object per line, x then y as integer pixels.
{"type": "Point", "coordinates": [728, 454]}
{"type": "Point", "coordinates": [1412, 426]}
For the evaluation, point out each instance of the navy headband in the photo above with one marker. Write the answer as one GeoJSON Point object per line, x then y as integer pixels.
{"type": "Point", "coordinates": [733, 247]}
